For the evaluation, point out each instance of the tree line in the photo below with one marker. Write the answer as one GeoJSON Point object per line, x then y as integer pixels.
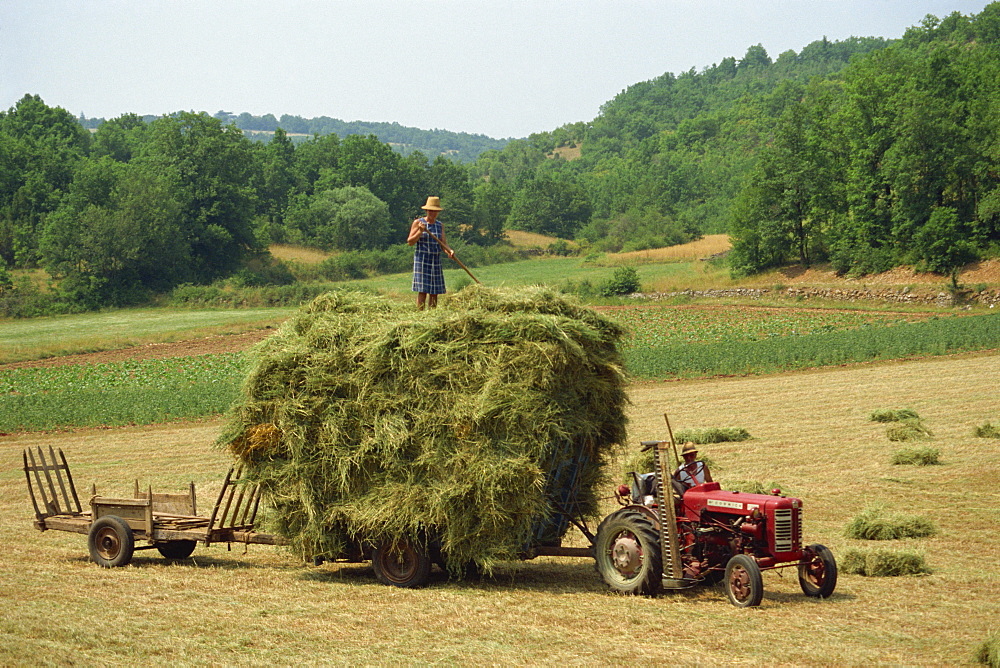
{"type": "Point", "coordinates": [461, 146]}
{"type": "Point", "coordinates": [139, 207]}
{"type": "Point", "coordinates": [866, 153]}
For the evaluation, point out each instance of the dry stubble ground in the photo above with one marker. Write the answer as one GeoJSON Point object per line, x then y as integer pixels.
{"type": "Point", "coordinates": [811, 435]}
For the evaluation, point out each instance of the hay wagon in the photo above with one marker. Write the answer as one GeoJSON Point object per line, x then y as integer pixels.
{"type": "Point", "coordinates": [168, 522]}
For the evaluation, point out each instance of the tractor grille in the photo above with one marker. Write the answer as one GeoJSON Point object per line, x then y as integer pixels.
{"type": "Point", "coordinates": [784, 536]}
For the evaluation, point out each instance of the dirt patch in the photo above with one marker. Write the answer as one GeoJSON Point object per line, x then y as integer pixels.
{"type": "Point", "coordinates": [209, 345]}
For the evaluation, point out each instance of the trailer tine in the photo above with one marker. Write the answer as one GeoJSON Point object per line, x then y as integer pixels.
{"type": "Point", "coordinates": [256, 503]}
{"type": "Point", "coordinates": [59, 479]}
{"type": "Point", "coordinates": [69, 477]}
{"type": "Point", "coordinates": [237, 519]}
{"type": "Point", "coordinates": [49, 508]}
{"type": "Point", "coordinates": [230, 483]}
{"type": "Point", "coordinates": [31, 488]}
{"type": "Point", "coordinates": [215, 510]}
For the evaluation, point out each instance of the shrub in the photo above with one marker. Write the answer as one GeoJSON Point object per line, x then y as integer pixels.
{"type": "Point", "coordinates": [988, 652]}
{"type": "Point", "coordinates": [624, 281]}
{"type": "Point", "coordinates": [882, 563]}
{"type": "Point", "coordinates": [713, 435]}
{"type": "Point", "coordinates": [986, 431]}
{"type": "Point", "coordinates": [919, 456]}
{"type": "Point", "coordinates": [876, 522]}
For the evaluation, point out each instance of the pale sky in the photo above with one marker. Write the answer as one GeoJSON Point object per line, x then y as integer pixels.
{"type": "Point", "coordinates": [503, 69]}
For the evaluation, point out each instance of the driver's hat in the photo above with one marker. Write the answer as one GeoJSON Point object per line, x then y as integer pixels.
{"type": "Point", "coordinates": [689, 447]}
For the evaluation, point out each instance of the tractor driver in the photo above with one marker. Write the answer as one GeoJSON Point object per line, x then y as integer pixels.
{"type": "Point", "coordinates": [692, 471]}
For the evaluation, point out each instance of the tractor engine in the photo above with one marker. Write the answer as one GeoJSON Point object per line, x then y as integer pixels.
{"type": "Point", "coordinates": [767, 526]}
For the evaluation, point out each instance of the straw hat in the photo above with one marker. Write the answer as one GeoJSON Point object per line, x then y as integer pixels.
{"type": "Point", "coordinates": [689, 447]}
{"type": "Point", "coordinates": [433, 204]}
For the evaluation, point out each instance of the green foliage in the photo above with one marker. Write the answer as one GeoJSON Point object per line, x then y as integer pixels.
{"type": "Point", "coordinates": [235, 296]}
{"type": "Point", "coordinates": [737, 356]}
{"type": "Point", "coordinates": [712, 435]}
{"type": "Point", "coordinates": [624, 281]}
{"type": "Point", "coordinates": [986, 430]}
{"type": "Point", "coordinates": [877, 522]}
{"type": "Point", "coordinates": [919, 456]}
{"type": "Point", "coordinates": [348, 219]}
{"type": "Point", "coordinates": [988, 651]}
{"type": "Point", "coordinates": [463, 146]}
{"type": "Point", "coordinates": [877, 562]}
{"type": "Point", "coordinates": [119, 393]}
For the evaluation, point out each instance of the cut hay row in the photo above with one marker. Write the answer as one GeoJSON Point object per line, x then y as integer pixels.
{"type": "Point", "coordinates": [468, 425]}
{"type": "Point", "coordinates": [877, 562]}
{"type": "Point", "coordinates": [877, 522]}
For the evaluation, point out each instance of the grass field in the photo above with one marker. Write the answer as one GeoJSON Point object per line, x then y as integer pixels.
{"type": "Point", "coordinates": [36, 338]}
{"type": "Point", "coordinates": [811, 435]}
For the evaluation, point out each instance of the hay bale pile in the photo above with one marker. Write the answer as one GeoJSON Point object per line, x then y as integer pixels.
{"type": "Point", "coordinates": [365, 421]}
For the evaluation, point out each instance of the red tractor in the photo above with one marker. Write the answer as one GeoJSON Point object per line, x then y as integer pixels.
{"type": "Point", "coordinates": [705, 535]}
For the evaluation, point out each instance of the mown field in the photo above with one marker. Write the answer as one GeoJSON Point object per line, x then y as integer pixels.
{"type": "Point", "coordinates": [811, 435]}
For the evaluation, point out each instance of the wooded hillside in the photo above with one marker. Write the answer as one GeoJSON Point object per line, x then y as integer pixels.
{"type": "Point", "coordinates": [867, 153]}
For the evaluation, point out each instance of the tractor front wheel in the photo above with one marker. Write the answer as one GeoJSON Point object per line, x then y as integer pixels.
{"type": "Point", "coordinates": [401, 564]}
{"type": "Point", "coordinates": [111, 542]}
{"type": "Point", "coordinates": [627, 553]}
{"type": "Point", "coordinates": [744, 583]}
{"type": "Point", "coordinates": [818, 572]}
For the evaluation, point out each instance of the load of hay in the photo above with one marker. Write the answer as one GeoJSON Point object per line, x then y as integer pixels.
{"type": "Point", "coordinates": [471, 425]}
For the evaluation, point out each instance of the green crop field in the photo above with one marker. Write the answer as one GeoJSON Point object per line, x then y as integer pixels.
{"type": "Point", "coordinates": [36, 338]}
{"type": "Point", "coordinates": [118, 393]}
{"type": "Point", "coordinates": [666, 342]}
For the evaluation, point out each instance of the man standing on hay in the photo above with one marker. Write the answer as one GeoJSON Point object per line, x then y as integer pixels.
{"type": "Point", "coordinates": [427, 233]}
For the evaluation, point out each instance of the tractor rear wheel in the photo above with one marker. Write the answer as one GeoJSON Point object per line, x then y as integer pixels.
{"type": "Point", "coordinates": [627, 553]}
{"type": "Point", "coordinates": [401, 564]}
{"type": "Point", "coordinates": [111, 542]}
{"type": "Point", "coordinates": [744, 584]}
{"type": "Point", "coordinates": [818, 572]}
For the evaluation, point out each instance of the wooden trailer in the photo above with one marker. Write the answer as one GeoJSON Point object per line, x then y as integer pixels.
{"type": "Point", "coordinates": [167, 522]}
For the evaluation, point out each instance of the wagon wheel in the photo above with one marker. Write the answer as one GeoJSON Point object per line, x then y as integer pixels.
{"type": "Point", "coordinates": [111, 542]}
{"type": "Point", "coordinates": [401, 564]}
{"type": "Point", "coordinates": [744, 584]}
{"type": "Point", "coordinates": [627, 553]}
{"type": "Point", "coordinates": [176, 549]}
{"type": "Point", "coordinates": [818, 572]}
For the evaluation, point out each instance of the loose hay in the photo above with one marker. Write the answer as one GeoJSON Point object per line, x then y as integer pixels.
{"type": "Point", "coordinates": [988, 652]}
{"type": "Point", "coordinates": [986, 430]}
{"type": "Point", "coordinates": [879, 562]}
{"type": "Point", "coordinates": [918, 456]}
{"type": "Point", "coordinates": [713, 435]}
{"type": "Point", "coordinates": [363, 421]}
{"type": "Point", "coordinates": [876, 522]}
{"type": "Point", "coordinates": [893, 415]}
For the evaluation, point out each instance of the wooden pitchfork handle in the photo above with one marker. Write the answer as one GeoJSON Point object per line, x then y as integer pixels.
{"type": "Point", "coordinates": [453, 257]}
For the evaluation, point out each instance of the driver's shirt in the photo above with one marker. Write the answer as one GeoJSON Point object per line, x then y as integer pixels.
{"type": "Point", "coordinates": [687, 478]}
